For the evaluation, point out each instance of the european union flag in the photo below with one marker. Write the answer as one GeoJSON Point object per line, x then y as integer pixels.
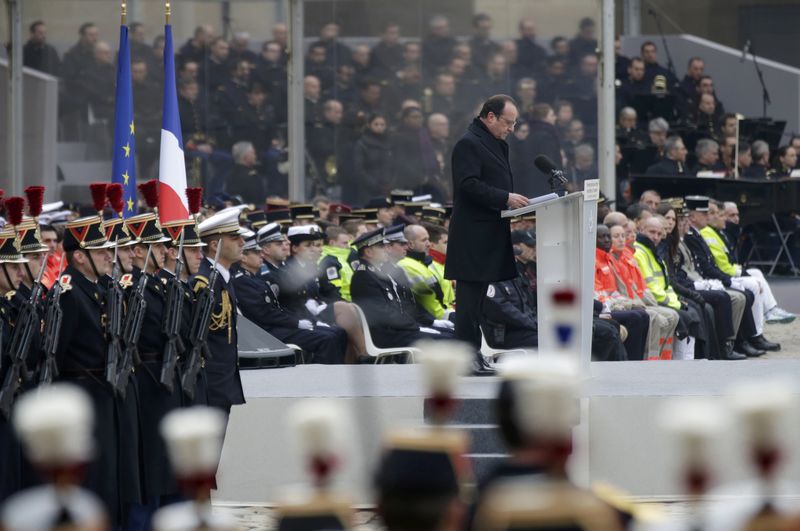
{"type": "Point", "coordinates": [124, 165]}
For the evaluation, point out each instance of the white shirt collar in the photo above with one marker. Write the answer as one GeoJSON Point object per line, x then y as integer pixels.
{"type": "Point", "coordinates": [226, 275]}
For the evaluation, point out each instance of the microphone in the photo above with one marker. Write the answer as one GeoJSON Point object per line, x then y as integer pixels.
{"type": "Point", "coordinates": [545, 165]}
{"type": "Point", "coordinates": [745, 49]}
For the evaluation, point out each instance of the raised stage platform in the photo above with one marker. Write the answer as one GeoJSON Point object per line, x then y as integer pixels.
{"type": "Point", "coordinates": [617, 442]}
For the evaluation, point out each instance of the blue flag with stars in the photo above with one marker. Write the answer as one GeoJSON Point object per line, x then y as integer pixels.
{"type": "Point", "coordinates": [124, 165]}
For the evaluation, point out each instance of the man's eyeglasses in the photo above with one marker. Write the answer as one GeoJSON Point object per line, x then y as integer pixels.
{"type": "Point", "coordinates": [508, 122]}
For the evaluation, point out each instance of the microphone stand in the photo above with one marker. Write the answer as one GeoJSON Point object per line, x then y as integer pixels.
{"type": "Point", "coordinates": [670, 64]}
{"type": "Point", "coordinates": [557, 181]}
{"type": "Point", "coordinates": [765, 99]}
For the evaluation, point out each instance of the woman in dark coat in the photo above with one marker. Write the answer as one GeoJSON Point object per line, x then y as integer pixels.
{"type": "Point", "coordinates": [372, 164]}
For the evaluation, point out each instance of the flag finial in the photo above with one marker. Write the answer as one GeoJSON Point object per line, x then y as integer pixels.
{"type": "Point", "coordinates": [167, 11]}
{"type": "Point", "coordinates": [124, 13]}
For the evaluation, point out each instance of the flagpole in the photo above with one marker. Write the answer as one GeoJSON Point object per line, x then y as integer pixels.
{"type": "Point", "coordinates": [167, 12]}
{"type": "Point", "coordinates": [123, 19]}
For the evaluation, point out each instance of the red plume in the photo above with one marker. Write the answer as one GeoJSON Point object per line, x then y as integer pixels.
{"type": "Point", "coordinates": [35, 196]}
{"type": "Point", "coordinates": [98, 195]}
{"type": "Point", "coordinates": [195, 197]}
{"type": "Point", "coordinates": [114, 195]}
{"type": "Point", "coordinates": [14, 207]}
{"type": "Point", "coordinates": [149, 191]}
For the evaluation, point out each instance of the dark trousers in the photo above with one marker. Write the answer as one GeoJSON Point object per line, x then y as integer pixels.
{"type": "Point", "coordinates": [638, 324]}
{"type": "Point", "coordinates": [327, 344]}
{"type": "Point", "coordinates": [723, 312]}
{"type": "Point", "coordinates": [748, 327]}
{"type": "Point", "coordinates": [470, 296]}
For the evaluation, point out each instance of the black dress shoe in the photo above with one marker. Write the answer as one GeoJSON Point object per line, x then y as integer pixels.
{"type": "Point", "coordinates": [744, 347]}
{"type": "Point", "coordinates": [733, 356]}
{"type": "Point", "coordinates": [481, 368]}
{"type": "Point", "coordinates": [762, 343]}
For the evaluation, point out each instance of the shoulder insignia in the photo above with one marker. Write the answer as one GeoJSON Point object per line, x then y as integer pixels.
{"type": "Point", "coordinates": [164, 281]}
{"type": "Point", "coordinates": [239, 274]}
{"type": "Point", "coordinates": [126, 281]}
{"type": "Point", "coordinates": [490, 291]}
{"type": "Point", "coordinates": [66, 282]}
{"type": "Point", "coordinates": [355, 264]}
{"type": "Point", "coordinates": [332, 273]}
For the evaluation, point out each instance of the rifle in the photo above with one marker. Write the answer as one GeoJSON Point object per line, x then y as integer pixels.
{"type": "Point", "coordinates": [113, 324]}
{"type": "Point", "coordinates": [171, 325]}
{"type": "Point", "coordinates": [27, 318]}
{"type": "Point", "coordinates": [52, 328]}
{"type": "Point", "coordinates": [198, 335]}
{"type": "Point", "coordinates": [132, 328]}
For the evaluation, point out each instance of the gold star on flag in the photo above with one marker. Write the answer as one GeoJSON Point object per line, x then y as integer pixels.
{"type": "Point", "coordinates": [127, 149]}
{"type": "Point", "coordinates": [132, 128]}
{"type": "Point", "coordinates": [125, 176]}
{"type": "Point", "coordinates": [130, 205]}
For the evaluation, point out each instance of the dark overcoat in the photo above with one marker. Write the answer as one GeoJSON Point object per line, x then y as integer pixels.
{"type": "Point", "coordinates": [479, 246]}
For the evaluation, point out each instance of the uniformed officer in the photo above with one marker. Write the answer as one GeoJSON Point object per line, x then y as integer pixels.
{"type": "Point", "coordinates": [422, 473]}
{"type": "Point", "coordinates": [531, 489]}
{"type": "Point", "coordinates": [12, 265]}
{"type": "Point", "coordinates": [438, 252]}
{"type": "Point", "coordinates": [396, 247]}
{"type": "Point", "coordinates": [302, 214]}
{"type": "Point", "coordinates": [193, 438]}
{"type": "Point", "coordinates": [55, 426]}
{"type": "Point", "coordinates": [192, 256]}
{"type": "Point", "coordinates": [376, 293]}
{"type": "Point", "coordinates": [155, 399]}
{"type": "Point", "coordinates": [81, 354]}
{"type": "Point", "coordinates": [319, 432]}
{"type": "Point", "coordinates": [334, 263]}
{"type": "Point", "coordinates": [424, 282]}
{"type": "Point", "coordinates": [221, 230]}
{"type": "Point", "coordinates": [257, 299]}
{"type": "Point", "coordinates": [508, 320]}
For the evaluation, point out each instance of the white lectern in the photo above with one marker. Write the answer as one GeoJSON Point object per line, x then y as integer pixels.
{"type": "Point", "coordinates": [566, 229]}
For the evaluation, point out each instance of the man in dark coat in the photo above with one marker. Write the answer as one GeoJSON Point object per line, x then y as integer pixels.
{"type": "Point", "coordinates": [38, 54]}
{"type": "Point", "coordinates": [479, 247]}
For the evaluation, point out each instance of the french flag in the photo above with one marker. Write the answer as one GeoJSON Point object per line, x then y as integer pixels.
{"type": "Point", "coordinates": [172, 202]}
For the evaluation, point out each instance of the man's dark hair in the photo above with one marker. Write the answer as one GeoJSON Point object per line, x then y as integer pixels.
{"type": "Point", "coordinates": [541, 110]}
{"type": "Point", "coordinates": [586, 22]}
{"type": "Point", "coordinates": [495, 105]}
{"type": "Point", "coordinates": [435, 232]}
{"type": "Point", "coordinates": [556, 40]}
{"type": "Point", "coordinates": [351, 226]}
{"type": "Point", "coordinates": [692, 60]}
{"type": "Point", "coordinates": [635, 210]}
{"type": "Point", "coordinates": [636, 59]}
{"type": "Point", "coordinates": [480, 17]}
{"type": "Point", "coordinates": [84, 27]}
{"type": "Point", "coordinates": [744, 146]}
{"type": "Point", "coordinates": [34, 25]}
{"type": "Point", "coordinates": [134, 26]}
{"type": "Point", "coordinates": [717, 203]}
{"type": "Point", "coordinates": [198, 30]}
{"type": "Point", "coordinates": [645, 44]}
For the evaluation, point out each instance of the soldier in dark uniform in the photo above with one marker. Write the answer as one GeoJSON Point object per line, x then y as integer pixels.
{"type": "Point", "coordinates": [155, 399]}
{"type": "Point", "coordinates": [11, 262]}
{"type": "Point", "coordinates": [257, 299]}
{"type": "Point", "coordinates": [377, 294]}
{"type": "Point", "coordinates": [81, 354]}
{"type": "Point", "coordinates": [508, 320]}
{"type": "Point", "coordinates": [222, 370]}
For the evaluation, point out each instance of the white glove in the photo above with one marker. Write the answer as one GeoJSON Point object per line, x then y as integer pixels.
{"type": "Point", "coordinates": [325, 325]}
{"type": "Point", "coordinates": [429, 330]}
{"type": "Point", "coordinates": [305, 324]}
{"type": "Point", "coordinates": [713, 283]}
{"type": "Point", "coordinates": [448, 313]}
{"type": "Point", "coordinates": [444, 323]}
{"type": "Point", "coordinates": [314, 307]}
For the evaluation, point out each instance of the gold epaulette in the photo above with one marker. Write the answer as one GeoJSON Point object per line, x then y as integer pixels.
{"type": "Point", "coordinates": [200, 282]}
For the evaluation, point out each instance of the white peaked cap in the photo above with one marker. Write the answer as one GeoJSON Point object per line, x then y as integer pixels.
{"type": "Point", "coordinates": [443, 363]}
{"type": "Point", "coordinates": [226, 221]}
{"type": "Point", "coordinates": [546, 391]}
{"type": "Point", "coordinates": [52, 207]}
{"type": "Point", "coordinates": [194, 439]}
{"type": "Point", "coordinates": [763, 408]}
{"type": "Point", "coordinates": [693, 423]}
{"type": "Point", "coordinates": [305, 230]}
{"type": "Point", "coordinates": [320, 427]}
{"type": "Point", "coordinates": [55, 424]}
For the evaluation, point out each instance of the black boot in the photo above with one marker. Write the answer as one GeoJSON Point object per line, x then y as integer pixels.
{"type": "Point", "coordinates": [481, 368]}
{"type": "Point", "coordinates": [744, 347]}
{"type": "Point", "coordinates": [761, 343]}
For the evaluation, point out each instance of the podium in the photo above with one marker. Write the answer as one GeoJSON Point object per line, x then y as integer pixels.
{"type": "Point", "coordinates": [566, 229]}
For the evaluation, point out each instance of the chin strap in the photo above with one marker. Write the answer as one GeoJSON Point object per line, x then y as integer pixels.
{"type": "Point", "coordinates": [91, 261]}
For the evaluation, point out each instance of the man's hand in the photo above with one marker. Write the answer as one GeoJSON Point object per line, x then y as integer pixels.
{"type": "Point", "coordinates": [516, 201]}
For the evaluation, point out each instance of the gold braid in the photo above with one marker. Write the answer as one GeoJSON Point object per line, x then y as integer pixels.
{"type": "Point", "coordinates": [224, 318]}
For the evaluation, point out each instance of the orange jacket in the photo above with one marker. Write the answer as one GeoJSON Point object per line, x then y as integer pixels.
{"type": "Point", "coordinates": [629, 273]}
{"type": "Point", "coordinates": [605, 284]}
{"type": "Point", "coordinates": [51, 272]}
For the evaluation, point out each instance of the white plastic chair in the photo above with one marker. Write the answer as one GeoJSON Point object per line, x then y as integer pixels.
{"type": "Point", "coordinates": [381, 354]}
{"type": "Point", "coordinates": [494, 353]}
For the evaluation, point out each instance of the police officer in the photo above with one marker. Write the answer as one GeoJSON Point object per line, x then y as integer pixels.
{"type": "Point", "coordinates": [221, 230]}
{"type": "Point", "coordinates": [335, 263]}
{"type": "Point", "coordinates": [155, 399]}
{"type": "Point", "coordinates": [257, 299]}
{"type": "Point", "coordinates": [81, 354]}
{"type": "Point", "coordinates": [12, 265]}
{"type": "Point", "coordinates": [508, 320]}
{"type": "Point", "coordinates": [377, 295]}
